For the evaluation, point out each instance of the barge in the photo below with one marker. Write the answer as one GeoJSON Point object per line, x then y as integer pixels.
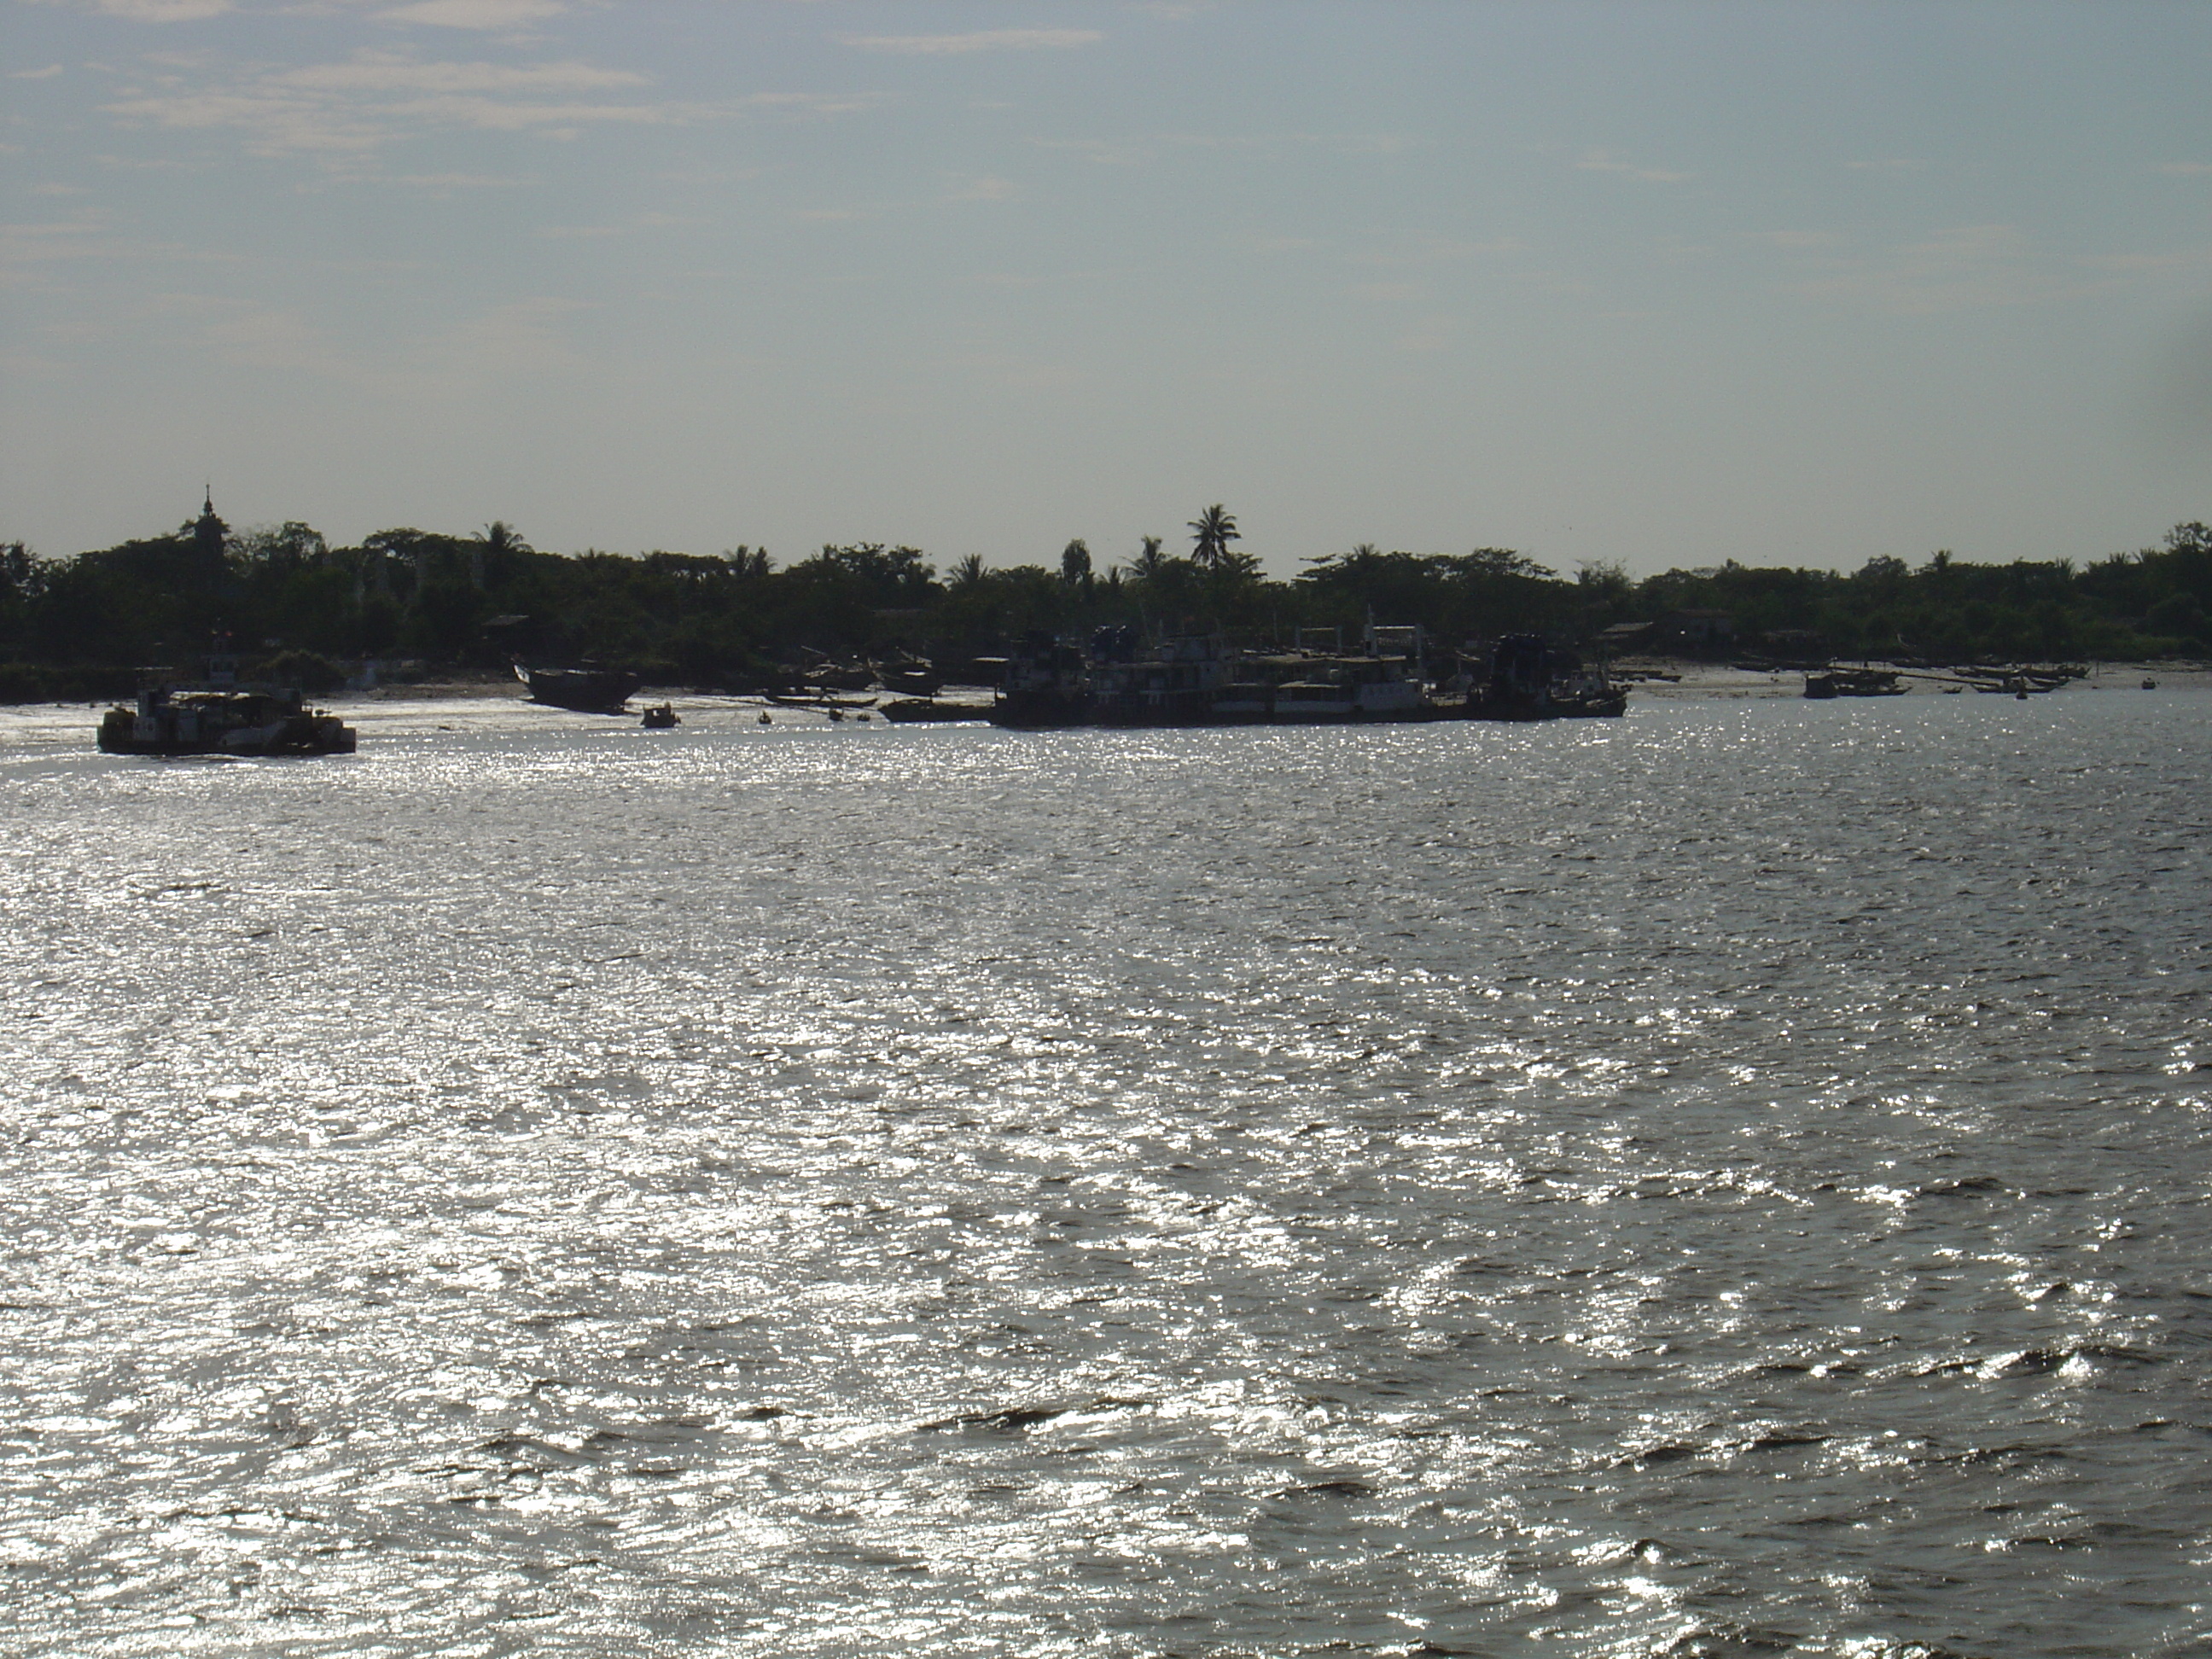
{"type": "Point", "coordinates": [223, 720]}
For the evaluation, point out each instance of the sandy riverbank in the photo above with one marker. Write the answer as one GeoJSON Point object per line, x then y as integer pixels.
{"type": "Point", "coordinates": [1705, 679]}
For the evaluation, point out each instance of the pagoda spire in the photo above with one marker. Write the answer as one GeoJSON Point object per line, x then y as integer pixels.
{"type": "Point", "coordinates": [210, 533]}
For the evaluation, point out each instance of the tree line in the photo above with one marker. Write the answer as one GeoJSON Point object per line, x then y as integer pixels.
{"type": "Point", "coordinates": [87, 625]}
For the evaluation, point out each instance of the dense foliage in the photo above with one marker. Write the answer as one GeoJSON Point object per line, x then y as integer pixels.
{"type": "Point", "coordinates": [481, 600]}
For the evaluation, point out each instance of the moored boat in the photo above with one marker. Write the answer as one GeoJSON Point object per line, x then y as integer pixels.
{"type": "Point", "coordinates": [223, 720]}
{"type": "Point", "coordinates": [1531, 679]}
{"type": "Point", "coordinates": [1046, 684]}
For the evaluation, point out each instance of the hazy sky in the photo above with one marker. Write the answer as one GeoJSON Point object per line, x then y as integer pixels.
{"type": "Point", "coordinates": [1785, 283]}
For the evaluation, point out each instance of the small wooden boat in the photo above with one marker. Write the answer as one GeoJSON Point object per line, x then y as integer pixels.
{"type": "Point", "coordinates": [783, 701]}
{"type": "Point", "coordinates": [660, 717]}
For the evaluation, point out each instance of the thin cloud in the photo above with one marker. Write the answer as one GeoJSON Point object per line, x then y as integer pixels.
{"type": "Point", "coordinates": [1969, 267]}
{"type": "Point", "coordinates": [445, 182]}
{"type": "Point", "coordinates": [383, 72]}
{"type": "Point", "coordinates": [641, 223]}
{"type": "Point", "coordinates": [1605, 160]}
{"type": "Point", "coordinates": [45, 74]}
{"type": "Point", "coordinates": [985, 190]}
{"type": "Point", "coordinates": [937, 46]}
{"type": "Point", "coordinates": [2187, 259]}
{"type": "Point", "coordinates": [2179, 169]}
{"type": "Point", "coordinates": [1151, 147]}
{"type": "Point", "coordinates": [1794, 239]}
{"type": "Point", "coordinates": [162, 11]}
{"type": "Point", "coordinates": [24, 245]}
{"type": "Point", "coordinates": [474, 13]}
{"type": "Point", "coordinates": [344, 111]}
{"type": "Point", "coordinates": [523, 338]}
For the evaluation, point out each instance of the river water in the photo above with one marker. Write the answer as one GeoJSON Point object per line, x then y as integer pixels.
{"type": "Point", "coordinates": [1728, 1180]}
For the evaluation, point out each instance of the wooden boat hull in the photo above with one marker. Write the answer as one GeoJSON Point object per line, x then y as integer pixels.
{"type": "Point", "coordinates": [585, 690]}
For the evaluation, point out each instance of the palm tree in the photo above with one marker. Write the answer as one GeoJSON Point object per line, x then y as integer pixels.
{"type": "Point", "coordinates": [500, 536]}
{"type": "Point", "coordinates": [1148, 563]}
{"type": "Point", "coordinates": [493, 544]}
{"type": "Point", "coordinates": [1212, 531]}
{"type": "Point", "coordinates": [967, 571]}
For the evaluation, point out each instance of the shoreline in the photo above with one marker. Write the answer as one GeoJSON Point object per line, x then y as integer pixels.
{"type": "Point", "coordinates": [1665, 679]}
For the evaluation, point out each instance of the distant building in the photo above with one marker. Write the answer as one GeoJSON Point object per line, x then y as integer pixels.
{"type": "Point", "coordinates": [1698, 630]}
{"type": "Point", "coordinates": [1691, 633]}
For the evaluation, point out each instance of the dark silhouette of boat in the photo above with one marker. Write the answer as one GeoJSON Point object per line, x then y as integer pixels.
{"type": "Point", "coordinates": [1531, 679]}
{"type": "Point", "coordinates": [911, 678]}
{"type": "Point", "coordinates": [1853, 683]}
{"type": "Point", "coordinates": [590, 690]}
{"type": "Point", "coordinates": [1047, 683]}
{"type": "Point", "coordinates": [223, 720]}
{"type": "Point", "coordinates": [660, 717]}
{"type": "Point", "coordinates": [821, 699]}
{"type": "Point", "coordinates": [912, 710]}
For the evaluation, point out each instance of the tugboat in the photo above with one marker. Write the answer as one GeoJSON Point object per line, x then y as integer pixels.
{"type": "Point", "coordinates": [589, 691]}
{"type": "Point", "coordinates": [223, 720]}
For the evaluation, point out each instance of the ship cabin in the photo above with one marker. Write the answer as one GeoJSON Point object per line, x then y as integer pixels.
{"type": "Point", "coordinates": [1174, 684]}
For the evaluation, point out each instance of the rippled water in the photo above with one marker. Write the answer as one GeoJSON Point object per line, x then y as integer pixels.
{"type": "Point", "coordinates": [1728, 1180]}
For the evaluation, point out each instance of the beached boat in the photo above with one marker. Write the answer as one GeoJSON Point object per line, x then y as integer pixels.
{"type": "Point", "coordinates": [590, 690]}
{"type": "Point", "coordinates": [908, 711]}
{"type": "Point", "coordinates": [223, 720]}
{"type": "Point", "coordinates": [911, 678]}
{"type": "Point", "coordinates": [1853, 683]}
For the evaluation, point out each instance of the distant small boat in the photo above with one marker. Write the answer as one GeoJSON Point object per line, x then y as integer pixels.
{"type": "Point", "coordinates": [820, 701]}
{"type": "Point", "coordinates": [589, 690]}
{"type": "Point", "coordinates": [660, 717]}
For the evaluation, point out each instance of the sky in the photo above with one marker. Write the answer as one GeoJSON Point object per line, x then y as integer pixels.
{"type": "Point", "coordinates": [1665, 285]}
